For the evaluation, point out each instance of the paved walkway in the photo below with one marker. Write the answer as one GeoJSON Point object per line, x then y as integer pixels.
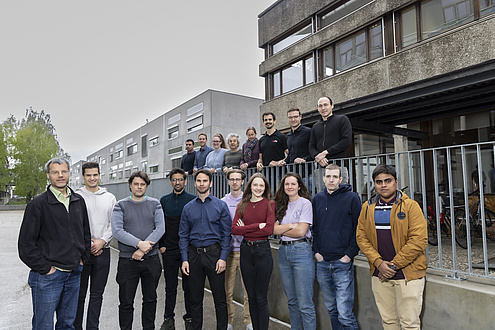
{"type": "Point", "coordinates": [15, 294]}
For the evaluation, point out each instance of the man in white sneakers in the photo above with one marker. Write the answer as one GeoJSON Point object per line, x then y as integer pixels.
{"type": "Point", "coordinates": [99, 203]}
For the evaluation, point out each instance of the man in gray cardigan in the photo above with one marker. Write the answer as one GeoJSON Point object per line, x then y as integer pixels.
{"type": "Point", "coordinates": [138, 223]}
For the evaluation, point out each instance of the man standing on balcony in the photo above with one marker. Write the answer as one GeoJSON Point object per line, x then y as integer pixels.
{"type": "Point", "coordinates": [200, 156]}
{"type": "Point", "coordinates": [204, 242]}
{"type": "Point", "coordinates": [273, 145]}
{"type": "Point", "coordinates": [99, 203]}
{"type": "Point", "coordinates": [187, 162]}
{"type": "Point", "coordinates": [330, 136]}
{"type": "Point", "coordinates": [335, 246]}
{"type": "Point", "coordinates": [172, 205]}
{"type": "Point", "coordinates": [392, 234]}
{"type": "Point", "coordinates": [297, 139]}
{"type": "Point", "coordinates": [235, 179]}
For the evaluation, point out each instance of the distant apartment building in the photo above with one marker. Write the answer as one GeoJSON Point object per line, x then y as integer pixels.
{"type": "Point", "coordinates": [408, 74]}
{"type": "Point", "coordinates": [158, 146]}
{"type": "Point", "coordinates": [75, 179]}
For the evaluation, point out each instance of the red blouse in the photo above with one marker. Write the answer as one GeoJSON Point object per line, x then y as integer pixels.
{"type": "Point", "coordinates": [254, 214]}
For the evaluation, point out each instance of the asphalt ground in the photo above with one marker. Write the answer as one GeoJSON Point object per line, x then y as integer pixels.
{"type": "Point", "coordinates": [15, 293]}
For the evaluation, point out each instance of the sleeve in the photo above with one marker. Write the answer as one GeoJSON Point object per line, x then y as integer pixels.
{"type": "Point", "coordinates": [225, 225]}
{"type": "Point", "coordinates": [29, 252]}
{"type": "Point", "coordinates": [417, 238]}
{"type": "Point", "coordinates": [118, 227]}
{"type": "Point", "coordinates": [196, 159]}
{"type": "Point", "coordinates": [159, 230]}
{"type": "Point", "coordinates": [362, 239]}
{"type": "Point", "coordinates": [184, 232]}
{"type": "Point", "coordinates": [283, 137]}
{"type": "Point", "coordinates": [345, 138]}
{"type": "Point", "coordinates": [306, 213]}
{"type": "Point", "coordinates": [242, 230]}
{"type": "Point", "coordinates": [353, 249]}
{"type": "Point", "coordinates": [269, 219]}
{"type": "Point", "coordinates": [161, 241]}
{"type": "Point", "coordinates": [107, 235]}
{"type": "Point", "coordinates": [312, 143]}
{"type": "Point", "coordinates": [87, 233]}
{"type": "Point", "coordinates": [255, 155]}
{"type": "Point", "coordinates": [307, 136]}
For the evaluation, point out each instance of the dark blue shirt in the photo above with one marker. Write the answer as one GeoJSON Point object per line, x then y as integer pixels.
{"type": "Point", "coordinates": [298, 144]}
{"type": "Point", "coordinates": [187, 162]}
{"type": "Point", "coordinates": [203, 224]}
{"type": "Point", "coordinates": [200, 158]}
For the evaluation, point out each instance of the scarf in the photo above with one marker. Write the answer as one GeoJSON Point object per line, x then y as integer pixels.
{"type": "Point", "coordinates": [248, 151]}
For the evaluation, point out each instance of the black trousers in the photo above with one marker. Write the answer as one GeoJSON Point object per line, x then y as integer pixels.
{"type": "Point", "coordinates": [172, 262]}
{"type": "Point", "coordinates": [97, 268]}
{"type": "Point", "coordinates": [202, 265]}
{"type": "Point", "coordinates": [256, 269]}
{"type": "Point", "coordinates": [128, 274]}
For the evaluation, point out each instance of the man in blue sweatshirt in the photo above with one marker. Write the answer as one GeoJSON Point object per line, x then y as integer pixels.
{"type": "Point", "coordinates": [336, 212]}
{"type": "Point", "coordinates": [137, 223]}
{"type": "Point", "coordinates": [172, 205]}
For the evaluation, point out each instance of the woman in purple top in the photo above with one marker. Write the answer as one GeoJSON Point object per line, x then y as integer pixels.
{"type": "Point", "coordinates": [293, 217]}
{"type": "Point", "coordinates": [250, 150]}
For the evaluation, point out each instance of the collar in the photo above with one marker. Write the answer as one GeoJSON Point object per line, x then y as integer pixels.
{"type": "Point", "coordinates": [58, 194]}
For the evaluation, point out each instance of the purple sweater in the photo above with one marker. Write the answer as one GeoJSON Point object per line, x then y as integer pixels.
{"type": "Point", "coordinates": [235, 243]}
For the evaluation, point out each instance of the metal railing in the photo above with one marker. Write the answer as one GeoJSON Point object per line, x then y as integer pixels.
{"type": "Point", "coordinates": [450, 185]}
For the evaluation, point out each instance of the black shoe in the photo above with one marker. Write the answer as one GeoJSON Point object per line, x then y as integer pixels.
{"type": "Point", "coordinates": [168, 324]}
{"type": "Point", "coordinates": [188, 323]}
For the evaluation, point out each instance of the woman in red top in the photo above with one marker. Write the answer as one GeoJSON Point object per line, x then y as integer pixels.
{"type": "Point", "coordinates": [254, 219]}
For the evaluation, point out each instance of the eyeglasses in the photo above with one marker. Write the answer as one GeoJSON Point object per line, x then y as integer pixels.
{"type": "Point", "coordinates": [293, 117]}
{"type": "Point", "coordinates": [64, 172]}
{"type": "Point", "coordinates": [216, 141]}
{"type": "Point", "coordinates": [177, 180]}
{"type": "Point", "coordinates": [235, 180]}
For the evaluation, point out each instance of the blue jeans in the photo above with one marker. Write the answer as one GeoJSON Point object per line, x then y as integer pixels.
{"type": "Point", "coordinates": [56, 292]}
{"type": "Point", "coordinates": [336, 279]}
{"type": "Point", "coordinates": [297, 273]}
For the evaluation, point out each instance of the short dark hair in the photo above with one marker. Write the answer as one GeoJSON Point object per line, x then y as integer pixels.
{"type": "Point", "coordinates": [177, 171]}
{"type": "Point", "coordinates": [236, 170]}
{"type": "Point", "coordinates": [203, 171]}
{"type": "Point", "coordinates": [190, 140]}
{"type": "Point", "coordinates": [141, 175]}
{"type": "Point", "coordinates": [89, 165]}
{"type": "Point", "coordinates": [384, 169]}
{"type": "Point", "coordinates": [331, 102]}
{"type": "Point", "coordinates": [268, 114]}
{"type": "Point", "coordinates": [206, 136]}
{"type": "Point", "coordinates": [294, 109]}
{"type": "Point", "coordinates": [56, 160]}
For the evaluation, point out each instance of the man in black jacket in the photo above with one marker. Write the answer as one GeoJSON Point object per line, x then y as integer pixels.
{"type": "Point", "coordinates": [55, 241]}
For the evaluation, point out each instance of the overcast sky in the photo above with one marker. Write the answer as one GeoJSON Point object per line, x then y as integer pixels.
{"type": "Point", "coordinates": [101, 68]}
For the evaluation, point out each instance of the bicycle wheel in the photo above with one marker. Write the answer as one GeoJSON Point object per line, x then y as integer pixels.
{"type": "Point", "coordinates": [432, 228]}
{"type": "Point", "coordinates": [460, 228]}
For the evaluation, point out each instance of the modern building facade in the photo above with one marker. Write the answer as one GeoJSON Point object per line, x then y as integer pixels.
{"type": "Point", "coordinates": [158, 146]}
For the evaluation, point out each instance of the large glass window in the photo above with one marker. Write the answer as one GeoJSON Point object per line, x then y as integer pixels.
{"type": "Point", "coordinates": [327, 61]}
{"type": "Point", "coordinates": [293, 38]}
{"type": "Point", "coordinates": [376, 41]}
{"type": "Point", "coordinates": [194, 124]}
{"type": "Point", "coordinates": [292, 77]}
{"type": "Point", "coordinates": [408, 25]}
{"type": "Point", "coordinates": [487, 7]}
{"type": "Point", "coordinates": [310, 71]}
{"type": "Point", "coordinates": [339, 12]}
{"type": "Point", "coordinates": [132, 149]}
{"type": "Point", "coordinates": [276, 84]}
{"type": "Point", "coordinates": [441, 15]}
{"type": "Point", "coordinates": [350, 52]}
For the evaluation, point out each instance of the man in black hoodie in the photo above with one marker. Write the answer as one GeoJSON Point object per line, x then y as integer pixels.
{"type": "Point", "coordinates": [335, 217]}
{"type": "Point", "coordinates": [330, 136]}
{"type": "Point", "coordinates": [172, 205]}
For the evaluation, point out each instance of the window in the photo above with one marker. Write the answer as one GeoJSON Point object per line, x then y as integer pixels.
{"type": "Point", "coordinates": [293, 38]}
{"type": "Point", "coordinates": [194, 124]}
{"type": "Point", "coordinates": [144, 166]}
{"type": "Point", "coordinates": [113, 175]}
{"type": "Point", "coordinates": [336, 13]}
{"type": "Point", "coordinates": [174, 119]}
{"type": "Point", "coordinates": [350, 52]}
{"type": "Point", "coordinates": [154, 169]}
{"type": "Point", "coordinates": [176, 162]}
{"type": "Point", "coordinates": [441, 15]}
{"type": "Point", "coordinates": [131, 149]}
{"type": "Point", "coordinates": [376, 41]}
{"type": "Point", "coordinates": [144, 145]}
{"type": "Point", "coordinates": [328, 62]}
{"type": "Point", "coordinates": [120, 174]}
{"type": "Point", "coordinates": [408, 25]}
{"type": "Point", "coordinates": [195, 109]}
{"type": "Point", "coordinates": [154, 141]}
{"type": "Point", "coordinates": [127, 172]}
{"type": "Point", "coordinates": [173, 132]}
{"type": "Point", "coordinates": [119, 154]}
{"type": "Point", "coordinates": [296, 75]}
{"type": "Point", "coordinates": [111, 158]}
{"type": "Point", "coordinates": [174, 150]}
{"type": "Point", "coordinates": [487, 7]}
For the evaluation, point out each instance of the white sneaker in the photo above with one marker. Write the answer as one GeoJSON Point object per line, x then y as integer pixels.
{"type": "Point", "coordinates": [230, 327]}
{"type": "Point", "coordinates": [249, 327]}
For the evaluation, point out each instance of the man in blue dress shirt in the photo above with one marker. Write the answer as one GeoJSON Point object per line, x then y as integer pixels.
{"type": "Point", "coordinates": [204, 242]}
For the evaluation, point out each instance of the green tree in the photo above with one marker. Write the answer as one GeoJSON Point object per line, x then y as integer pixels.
{"type": "Point", "coordinates": [33, 142]}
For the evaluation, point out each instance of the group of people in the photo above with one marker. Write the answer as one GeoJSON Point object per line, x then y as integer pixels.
{"type": "Point", "coordinates": [65, 235]}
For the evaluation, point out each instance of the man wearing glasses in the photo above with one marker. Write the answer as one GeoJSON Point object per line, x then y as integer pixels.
{"type": "Point", "coordinates": [235, 179]}
{"type": "Point", "coordinates": [55, 241]}
{"type": "Point", "coordinates": [172, 205]}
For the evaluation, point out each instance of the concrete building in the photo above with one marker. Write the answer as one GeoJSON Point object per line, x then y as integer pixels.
{"type": "Point", "coordinates": [408, 74]}
{"type": "Point", "coordinates": [158, 146]}
{"type": "Point", "coordinates": [75, 179]}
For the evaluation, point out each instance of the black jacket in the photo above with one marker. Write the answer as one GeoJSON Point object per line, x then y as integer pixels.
{"type": "Point", "coordinates": [51, 236]}
{"type": "Point", "coordinates": [333, 135]}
